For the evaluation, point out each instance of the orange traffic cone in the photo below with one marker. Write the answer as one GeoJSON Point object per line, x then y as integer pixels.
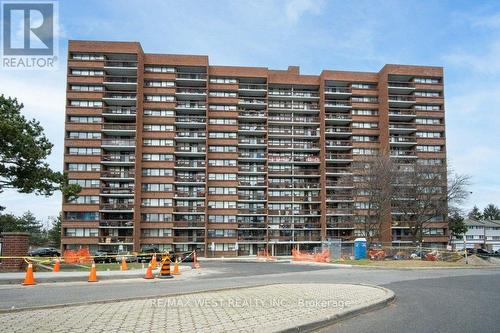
{"type": "Point", "coordinates": [154, 263]}
{"type": "Point", "coordinates": [93, 273]}
{"type": "Point", "coordinates": [195, 264]}
{"type": "Point", "coordinates": [176, 268]}
{"type": "Point", "coordinates": [149, 272]}
{"type": "Point", "coordinates": [57, 266]}
{"type": "Point", "coordinates": [123, 266]}
{"type": "Point", "coordinates": [29, 279]}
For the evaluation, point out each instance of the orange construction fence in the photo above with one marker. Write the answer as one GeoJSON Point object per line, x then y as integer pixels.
{"type": "Point", "coordinates": [323, 256]}
{"type": "Point", "coordinates": [82, 256]}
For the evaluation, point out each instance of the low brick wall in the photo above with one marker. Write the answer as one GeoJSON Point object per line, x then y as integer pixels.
{"type": "Point", "coordinates": [14, 244]}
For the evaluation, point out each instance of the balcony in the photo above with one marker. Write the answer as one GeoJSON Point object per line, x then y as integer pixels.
{"type": "Point", "coordinates": [191, 80]}
{"type": "Point", "coordinates": [294, 212]}
{"type": "Point", "coordinates": [115, 240]}
{"type": "Point", "coordinates": [247, 142]}
{"type": "Point", "coordinates": [190, 194]}
{"type": "Point", "coordinates": [401, 114]}
{"type": "Point", "coordinates": [112, 159]}
{"type": "Point", "coordinates": [123, 129]}
{"type": "Point", "coordinates": [118, 175]}
{"type": "Point", "coordinates": [120, 83]}
{"type": "Point", "coordinates": [402, 127]}
{"type": "Point", "coordinates": [403, 154]}
{"type": "Point", "coordinates": [253, 102]}
{"type": "Point", "coordinates": [189, 239]}
{"type": "Point", "coordinates": [190, 150]}
{"type": "Point", "coordinates": [401, 100]}
{"type": "Point", "coordinates": [296, 119]}
{"type": "Point", "coordinates": [402, 140]}
{"type": "Point", "coordinates": [339, 198]}
{"type": "Point", "coordinates": [105, 224]}
{"type": "Point", "coordinates": [194, 136]}
{"type": "Point", "coordinates": [399, 87]}
{"type": "Point", "coordinates": [340, 184]}
{"type": "Point", "coordinates": [256, 197]}
{"type": "Point", "coordinates": [117, 191]}
{"type": "Point", "coordinates": [251, 169]}
{"type": "Point", "coordinates": [117, 207]}
{"type": "Point", "coordinates": [190, 179]}
{"type": "Point", "coordinates": [338, 118]}
{"type": "Point", "coordinates": [251, 156]}
{"type": "Point", "coordinates": [251, 211]}
{"type": "Point", "coordinates": [121, 67]}
{"type": "Point", "coordinates": [337, 91]}
{"type": "Point", "coordinates": [190, 164]}
{"type": "Point", "coordinates": [190, 209]}
{"type": "Point", "coordinates": [252, 115]}
{"type": "Point", "coordinates": [338, 144]}
{"type": "Point", "coordinates": [340, 131]}
{"type": "Point", "coordinates": [337, 171]}
{"type": "Point", "coordinates": [252, 183]}
{"type": "Point", "coordinates": [118, 144]}
{"type": "Point", "coordinates": [337, 104]}
{"type": "Point", "coordinates": [252, 89]}
{"type": "Point", "coordinates": [190, 94]}
{"type": "Point", "coordinates": [190, 122]}
{"type": "Point", "coordinates": [190, 106]}
{"type": "Point", "coordinates": [252, 129]}
{"type": "Point", "coordinates": [120, 99]}
{"type": "Point", "coordinates": [341, 158]}
{"type": "Point", "coordinates": [119, 113]}
{"type": "Point", "coordinates": [339, 211]}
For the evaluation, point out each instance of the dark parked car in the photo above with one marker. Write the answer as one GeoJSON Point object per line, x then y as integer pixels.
{"type": "Point", "coordinates": [103, 257]}
{"type": "Point", "coordinates": [482, 251]}
{"type": "Point", "coordinates": [44, 252]}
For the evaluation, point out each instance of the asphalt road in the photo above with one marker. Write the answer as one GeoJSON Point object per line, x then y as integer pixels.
{"type": "Point", "coordinates": [430, 300]}
{"type": "Point", "coordinates": [452, 304]}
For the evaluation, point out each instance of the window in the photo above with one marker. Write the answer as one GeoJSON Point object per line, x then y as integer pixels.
{"type": "Point", "coordinates": [159, 84]}
{"type": "Point", "coordinates": [365, 125]}
{"type": "Point", "coordinates": [156, 217]}
{"type": "Point", "coordinates": [84, 135]}
{"type": "Point", "coordinates": [364, 151]}
{"type": "Point", "coordinates": [224, 247]}
{"type": "Point", "coordinates": [429, 149]}
{"type": "Point", "coordinates": [86, 88]}
{"type": "Point", "coordinates": [87, 56]}
{"type": "Point", "coordinates": [159, 113]}
{"type": "Point", "coordinates": [85, 120]}
{"type": "Point", "coordinates": [430, 161]}
{"type": "Point", "coordinates": [82, 216]}
{"type": "Point", "coordinates": [223, 107]}
{"type": "Point", "coordinates": [157, 202]}
{"type": "Point", "coordinates": [221, 219]}
{"type": "Point", "coordinates": [426, 80]}
{"type": "Point", "coordinates": [85, 200]}
{"type": "Point", "coordinates": [427, 107]}
{"type": "Point", "coordinates": [158, 172]}
{"type": "Point", "coordinates": [429, 135]}
{"type": "Point", "coordinates": [157, 187]}
{"type": "Point", "coordinates": [364, 99]}
{"type": "Point", "coordinates": [84, 151]}
{"type": "Point", "coordinates": [223, 80]}
{"type": "Point", "coordinates": [222, 135]}
{"type": "Point", "coordinates": [159, 69]}
{"type": "Point", "coordinates": [158, 142]}
{"type": "Point", "coordinates": [87, 72]}
{"type": "Point", "coordinates": [223, 121]}
{"type": "Point", "coordinates": [157, 157]}
{"type": "Point", "coordinates": [86, 104]}
{"type": "Point", "coordinates": [81, 232]}
{"type": "Point", "coordinates": [364, 112]}
{"type": "Point", "coordinates": [222, 204]}
{"type": "Point", "coordinates": [363, 85]}
{"type": "Point", "coordinates": [222, 149]}
{"type": "Point", "coordinates": [428, 121]}
{"type": "Point", "coordinates": [216, 233]}
{"type": "Point", "coordinates": [84, 167]}
{"type": "Point", "coordinates": [228, 163]}
{"type": "Point", "coordinates": [223, 94]}
{"type": "Point", "coordinates": [427, 94]}
{"type": "Point", "coordinates": [222, 176]}
{"type": "Point", "coordinates": [159, 98]}
{"type": "Point", "coordinates": [364, 138]}
{"type": "Point", "coordinates": [95, 183]}
{"type": "Point", "coordinates": [157, 128]}
{"type": "Point", "coordinates": [222, 190]}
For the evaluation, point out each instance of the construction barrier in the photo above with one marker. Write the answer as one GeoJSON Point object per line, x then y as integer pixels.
{"type": "Point", "coordinates": [323, 256]}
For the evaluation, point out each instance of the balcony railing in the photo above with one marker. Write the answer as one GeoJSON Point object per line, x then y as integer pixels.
{"type": "Point", "coordinates": [120, 79]}
{"type": "Point", "coordinates": [190, 164]}
{"type": "Point", "coordinates": [252, 183]}
{"type": "Point", "coordinates": [118, 126]}
{"type": "Point", "coordinates": [408, 153]}
{"type": "Point", "coordinates": [402, 139]}
{"type": "Point", "coordinates": [338, 156]}
{"type": "Point", "coordinates": [252, 101]}
{"type": "Point", "coordinates": [117, 142]}
{"type": "Point", "coordinates": [191, 194]}
{"type": "Point", "coordinates": [117, 206]}
{"type": "Point", "coordinates": [252, 141]}
{"type": "Point", "coordinates": [394, 84]}
{"type": "Point", "coordinates": [118, 158]}
{"type": "Point", "coordinates": [111, 63]}
{"type": "Point", "coordinates": [245, 168]}
{"type": "Point", "coordinates": [401, 98]}
{"type": "Point", "coordinates": [402, 112]}
{"type": "Point", "coordinates": [113, 240]}
{"type": "Point", "coordinates": [199, 135]}
{"type": "Point", "coordinates": [120, 111]}
{"type": "Point", "coordinates": [338, 143]}
{"type": "Point", "coordinates": [337, 90]}
{"type": "Point", "coordinates": [117, 190]}
{"type": "Point", "coordinates": [116, 223]}
{"type": "Point", "coordinates": [338, 116]}
{"type": "Point", "coordinates": [120, 96]}
{"type": "Point", "coordinates": [408, 126]}
{"type": "Point", "coordinates": [187, 179]}
{"type": "Point", "coordinates": [118, 174]}
{"type": "Point", "coordinates": [190, 209]}
{"type": "Point", "coordinates": [190, 119]}
{"type": "Point", "coordinates": [190, 105]}
{"type": "Point", "coordinates": [253, 87]}
{"type": "Point", "coordinates": [337, 104]}
{"type": "Point", "coordinates": [338, 130]}
{"type": "Point", "coordinates": [191, 76]}
{"type": "Point", "coordinates": [190, 149]}
{"type": "Point", "coordinates": [191, 91]}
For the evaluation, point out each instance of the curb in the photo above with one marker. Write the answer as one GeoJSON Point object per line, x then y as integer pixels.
{"type": "Point", "coordinates": [315, 325]}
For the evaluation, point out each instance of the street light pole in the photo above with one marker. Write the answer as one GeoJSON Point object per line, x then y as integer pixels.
{"type": "Point", "coordinates": [465, 249]}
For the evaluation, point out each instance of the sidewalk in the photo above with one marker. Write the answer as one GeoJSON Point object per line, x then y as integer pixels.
{"type": "Point", "coordinates": [272, 308]}
{"type": "Point", "coordinates": [44, 277]}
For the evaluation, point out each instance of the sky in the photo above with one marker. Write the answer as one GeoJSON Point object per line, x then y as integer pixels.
{"type": "Point", "coordinates": [461, 36]}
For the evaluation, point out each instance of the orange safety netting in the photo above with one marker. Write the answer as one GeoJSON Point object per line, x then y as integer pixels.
{"type": "Point", "coordinates": [323, 256]}
{"type": "Point", "coordinates": [82, 256]}
{"type": "Point", "coordinates": [376, 254]}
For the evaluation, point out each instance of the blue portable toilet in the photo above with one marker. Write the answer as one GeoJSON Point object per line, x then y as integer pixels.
{"type": "Point", "coordinates": [359, 248]}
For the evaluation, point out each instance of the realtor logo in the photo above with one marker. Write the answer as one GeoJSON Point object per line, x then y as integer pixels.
{"type": "Point", "coordinates": [28, 35]}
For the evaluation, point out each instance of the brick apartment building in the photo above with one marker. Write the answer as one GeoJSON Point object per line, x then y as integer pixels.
{"type": "Point", "coordinates": [176, 153]}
